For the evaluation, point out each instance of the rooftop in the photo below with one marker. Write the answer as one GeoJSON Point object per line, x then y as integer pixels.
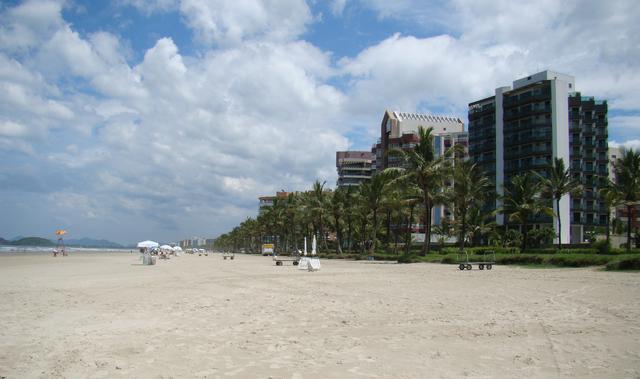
{"type": "Point", "coordinates": [424, 117]}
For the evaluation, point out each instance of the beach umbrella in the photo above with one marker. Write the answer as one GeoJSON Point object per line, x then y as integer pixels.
{"type": "Point", "coordinates": [313, 245]}
{"type": "Point", "coordinates": [177, 248]}
{"type": "Point", "coordinates": [305, 246]}
{"type": "Point", "coordinates": [148, 244]}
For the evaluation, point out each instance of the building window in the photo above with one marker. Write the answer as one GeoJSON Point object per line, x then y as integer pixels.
{"type": "Point", "coordinates": [576, 217]}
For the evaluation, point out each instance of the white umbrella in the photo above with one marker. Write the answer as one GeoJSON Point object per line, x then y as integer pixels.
{"type": "Point", "coordinates": [166, 247]}
{"type": "Point", "coordinates": [305, 246]}
{"type": "Point", "coordinates": [148, 244]}
{"type": "Point", "coordinates": [177, 248]}
{"type": "Point", "coordinates": [313, 245]}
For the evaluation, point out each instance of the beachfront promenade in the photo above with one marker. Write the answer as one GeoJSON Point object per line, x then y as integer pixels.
{"type": "Point", "coordinates": [104, 315]}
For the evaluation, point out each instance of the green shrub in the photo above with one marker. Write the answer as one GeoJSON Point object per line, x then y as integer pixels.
{"type": "Point", "coordinates": [580, 250]}
{"type": "Point", "coordinates": [624, 251]}
{"type": "Point", "coordinates": [449, 259]}
{"type": "Point", "coordinates": [602, 246]}
{"type": "Point", "coordinates": [408, 258]}
{"type": "Point", "coordinates": [482, 250]}
{"type": "Point", "coordinates": [631, 263]}
{"type": "Point", "coordinates": [519, 259]}
{"type": "Point", "coordinates": [574, 260]}
{"type": "Point", "coordinates": [540, 251]}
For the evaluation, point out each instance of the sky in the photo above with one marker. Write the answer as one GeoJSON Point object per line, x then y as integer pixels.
{"type": "Point", "coordinates": [166, 119]}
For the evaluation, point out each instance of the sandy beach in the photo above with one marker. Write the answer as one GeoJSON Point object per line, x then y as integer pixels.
{"type": "Point", "coordinates": [105, 315]}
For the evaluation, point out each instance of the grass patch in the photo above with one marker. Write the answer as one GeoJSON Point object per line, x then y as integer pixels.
{"type": "Point", "coordinates": [613, 259]}
{"type": "Point", "coordinates": [624, 264]}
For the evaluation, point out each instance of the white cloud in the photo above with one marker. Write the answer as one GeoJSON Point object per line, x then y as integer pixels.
{"type": "Point", "coordinates": [493, 43]}
{"type": "Point", "coordinates": [408, 73]}
{"type": "Point", "coordinates": [337, 7]}
{"type": "Point", "coordinates": [206, 134]}
{"type": "Point", "coordinates": [28, 23]}
{"type": "Point", "coordinates": [151, 6]}
{"type": "Point", "coordinates": [12, 129]}
{"type": "Point", "coordinates": [75, 158]}
{"type": "Point", "coordinates": [633, 144]}
{"type": "Point", "coordinates": [229, 22]}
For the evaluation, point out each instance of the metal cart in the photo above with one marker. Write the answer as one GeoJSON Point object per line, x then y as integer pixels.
{"type": "Point", "coordinates": [294, 259]}
{"type": "Point", "coordinates": [226, 255]}
{"type": "Point", "coordinates": [488, 260]}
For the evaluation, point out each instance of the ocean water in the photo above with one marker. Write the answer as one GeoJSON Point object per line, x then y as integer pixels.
{"type": "Point", "coordinates": [4, 250]}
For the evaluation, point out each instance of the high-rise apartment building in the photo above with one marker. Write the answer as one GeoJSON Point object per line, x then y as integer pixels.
{"type": "Point", "coordinates": [398, 130]}
{"type": "Point", "coordinates": [268, 201]}
{"type": "Point", "coordinates": [354, 167]}
{"type": "Point", "coordinates": [522, 128]}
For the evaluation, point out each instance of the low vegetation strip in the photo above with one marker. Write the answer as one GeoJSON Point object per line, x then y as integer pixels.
{"type": "Point", "coordinates": [614, 260]}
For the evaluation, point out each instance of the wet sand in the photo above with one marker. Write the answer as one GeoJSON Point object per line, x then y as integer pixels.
{"type": "Point", "coordinates": [105, 315]}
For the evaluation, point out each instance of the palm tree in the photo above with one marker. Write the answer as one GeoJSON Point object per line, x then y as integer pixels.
{"type": "Point", "coordinates": [337, 202]}
{"type": "Point", "coordinates": [372, 193]}
{"type": "Point", "coordinates": [480, 223]}
{"type": "Point", "coordinates": [317, 201]}
{"type": "Point", "coordinates": [470, 188]}
{"type": "Point", "coordinates": [394, 202]}
{"type": "Point", "coordinates": [428, 172]}
{"type": "Point", "coordinates": [628, 184]}
{"type": "Point", "coordinates": [610, 198]}
{"type": "Point", "coordinates": [443, 232]}
{"type": "Point", "coordinates": [558, 184]}
{"type": "Point", "coordinates": [349, 205]}
{"type": "Point", "coordinates": [412, 199]}
{"type": "Point", "coordinates": [522, 200]}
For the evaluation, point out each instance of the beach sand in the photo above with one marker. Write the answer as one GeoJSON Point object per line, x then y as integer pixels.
{"type": "Point", "coordinates": [105, 315]}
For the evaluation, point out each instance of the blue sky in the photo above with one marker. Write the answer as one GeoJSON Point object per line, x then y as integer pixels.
{"type": "Point", "coordinates": [166, 119]}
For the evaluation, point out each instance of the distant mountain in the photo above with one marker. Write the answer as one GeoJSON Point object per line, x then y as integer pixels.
{"type": "Point", "coordinates": [17, 238]}
{"type": "Point", "coordinates": [88, 242]}
{"type": "Point", "coordinates": [32, 241]}
{"type": "Point", "coordinates": [4, 241]}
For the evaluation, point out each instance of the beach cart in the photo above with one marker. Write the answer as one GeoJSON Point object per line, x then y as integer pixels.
{"type": "Point", "coordinates": [294, 259]}
{"type": "Point", "coordinates": [487, 261]}
{"type": "Point", "coordinates": [226, 255]}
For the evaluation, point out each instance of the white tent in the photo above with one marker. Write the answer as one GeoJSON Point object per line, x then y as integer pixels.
{"type": "Point", "coordinates": [148, 244]}
{"type": "Point", "coordinates": [314, 262]}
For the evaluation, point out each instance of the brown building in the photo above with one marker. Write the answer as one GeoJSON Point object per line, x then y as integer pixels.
{"type": "Point", "coordinates": [354, 167]}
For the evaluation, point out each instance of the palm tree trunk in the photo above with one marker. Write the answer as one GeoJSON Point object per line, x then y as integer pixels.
{"type": "Point", "coordinates": [338, 236]}
{"type": "Point", "coordinates": [375, 230]}
{"type": "Point", "coordinates": [323, 238]}
{"type": "Point", "coordinates": [524, 237]}
{"type": "Point", "coordinates": [608, 224]}
{"type": "Point", "coordinates": [428, 228]}
{"type": "Point", "coordinates": [388, 236]}
{"type": "Point", "coordinates": [395, 234]}
{"type": "Point", "coordinates": [409, 229]}
{"type": "Point", "coordinates": [363, 234]}
{"type": "Point", "coordinates": [426, 246]}
{"type": "Point", "coordinates": [349, 232]}
{"type": "Point", "coordinates": [424, 224]}
{"type": "Point", "coordinates": [628, 227]}
{"type": "Point", "coordinates": [463, 229]}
